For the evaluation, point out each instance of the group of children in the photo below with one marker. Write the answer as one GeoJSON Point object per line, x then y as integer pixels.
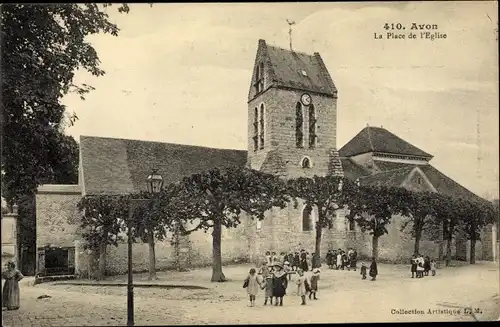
{"type": "Point", "coordinates": [292, 260]}
{"type": "Point", "coordinates": [420, 266]}
{"type": "Point", "coordinates": [340, 259]}
{"type": "Point", "coordinates": [273, 278]}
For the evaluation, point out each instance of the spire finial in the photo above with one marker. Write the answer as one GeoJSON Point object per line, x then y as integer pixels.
{"type": "Point", "coordinates": [290, 31]}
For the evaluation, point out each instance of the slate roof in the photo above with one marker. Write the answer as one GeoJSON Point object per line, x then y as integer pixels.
{"type": "Point", "coordinates": [352, 170]}
{"type": "Point", "coordinates": [392, 178]}
{"type": "Point", "coordinates": [378, 139]}
{"type": "Point", "coordinates": [287, 66]}
{"type": "Point", "coordinates": [394, 173]}
{"type": "Point", "coordinates": [120, 166]}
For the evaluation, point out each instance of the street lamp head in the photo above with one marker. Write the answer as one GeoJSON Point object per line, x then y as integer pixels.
{"type": "Point", "coordinates": [154, 182]}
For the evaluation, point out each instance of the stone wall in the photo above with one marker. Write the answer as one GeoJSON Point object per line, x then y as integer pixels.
{"type": "Point", "coordinates": [57, 216]}
{"type": "Point", "coordinates": [280, 131]}
{"type": "Point", "coordinates": [58, 225]}
{"type": "Point", "coordinates": [9, 237]}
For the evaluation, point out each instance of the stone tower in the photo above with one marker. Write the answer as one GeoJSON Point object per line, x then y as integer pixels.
{"type": "Point", "coordinates": [292, 114]}
{"type": "Point", "coordinates": [292, 126]}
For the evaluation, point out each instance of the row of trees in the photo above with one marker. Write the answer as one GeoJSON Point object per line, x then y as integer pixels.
{"type": "Point", "coordinates": [216, 199]}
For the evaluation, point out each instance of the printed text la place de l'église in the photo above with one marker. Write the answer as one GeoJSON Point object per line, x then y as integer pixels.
{"type": "Point", "coordinates": [396, 31]}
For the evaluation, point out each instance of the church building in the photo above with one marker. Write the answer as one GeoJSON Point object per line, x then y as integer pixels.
{"type": "Point", "coordinates": [292, 128]}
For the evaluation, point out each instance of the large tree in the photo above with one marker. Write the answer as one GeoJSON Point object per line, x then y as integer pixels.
{"type": "Point", "coordinates": [41, 48]}
{"type": "Point", "coordinates": [103, 218]}
{"type": "Point", "coordinates": [420, 214]}
{"type": "Point", "coordinates": [218, 198]}
{"type": "Point", "coordinates": [323, 194]}
{"type": "Point", "coordinates": [156, 215]}
{"type": "Point", "coordinates": [474, 215]}
{"type": "Point", "coordinates": [445, 210]}
{"type": "Point", "coordinates": [372, 207]}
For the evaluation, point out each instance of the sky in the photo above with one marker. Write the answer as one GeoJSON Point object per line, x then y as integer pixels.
{"type": "Point", "coordinates": [180, 73]}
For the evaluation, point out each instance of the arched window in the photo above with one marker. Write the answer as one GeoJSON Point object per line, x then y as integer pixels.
{"type": "Point", "coordinates": [312, 126]}
{"type": "Point", "coordinates": [299, 126]}
{"type": "Point", "coordinates": [351, 225]}
{"type": "Point", "coordinates": [259, 78]}
{"type": "Point", "coordinates": [262, 126]}
{"type": "Point", "coordinates": [307, 219]}
{"type": "Point", "coordinates": [256, 130]}
{"type": "Point", "coordinates": [306, 163]}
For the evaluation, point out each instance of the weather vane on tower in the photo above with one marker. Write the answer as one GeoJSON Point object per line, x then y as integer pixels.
{"type": "Point", "coordinates": [290, 31]}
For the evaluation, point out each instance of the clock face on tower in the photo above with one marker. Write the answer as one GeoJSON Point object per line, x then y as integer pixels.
{"type": "Point", "coordinates": [305, 99]}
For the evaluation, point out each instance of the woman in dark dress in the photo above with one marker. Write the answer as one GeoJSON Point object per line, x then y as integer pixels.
{"type": "Point", "coordinates": [280, 282]}
{"type": "Point", "coordinates": [328, 259]}
{"type": "Point", "coordinates": [427, 265]}
{"type": "Point", "coordinates": [354, 259]}
{"type": "Point", "coordinates": [10, 292]}
{"type": "Point", "coordinates": [303, 262]}
{"type": "Point", "coordinates": [413, 265]}
{"type": "Point", "coordinates": [373, 269]}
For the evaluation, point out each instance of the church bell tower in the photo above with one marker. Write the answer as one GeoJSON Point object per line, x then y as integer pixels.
{"type": "Point", "coordinates": [292, 115]}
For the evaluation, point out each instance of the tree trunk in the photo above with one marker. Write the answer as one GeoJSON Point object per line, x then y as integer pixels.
{"type": "Point", "coordinates": [317, 248]}
{"type": "Point", "coordinates": [473, 245]}
{"type": "Point", "coordinates": [448, 248]}
{"type": "Point", "coordinates": [375, 247]}
{"type": "Point", "coordinates": [217, 274]}
{"type": "Point", "coordinates": [102, 257]}
{"type": "Point", "coordinates": [441, 243]}
{"type": "Point", "coordinates": [152, 257]}
{"type": "Point", "coordinates": [418, 236]}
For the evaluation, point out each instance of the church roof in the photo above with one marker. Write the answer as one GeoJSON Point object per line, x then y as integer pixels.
{"type": "Point", "coordinates": [120, 166]}
{"type": "Point", "coordinates": [288, 67]}
{"type": "Point", "coordinates": [394, 174]}
{"type": "Point", "coordinates": [378, 139]}
{"type": "Point", "coordinates": [292, 69]}
{"type": "Point", "coordinates": [352, 170]}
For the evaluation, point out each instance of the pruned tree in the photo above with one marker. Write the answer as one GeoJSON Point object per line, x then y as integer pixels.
{"type": "Point", "coordinates": [474, 214]}
{"type": "Point", "coordinates": [445, 210]}
{"type": "Point", "coordinates": [323, 194]}
{"type": "Point", "coordinates": [103, 218]}
{"type": "Point", "coordinates": [159, 215]}
{"type": "Point", "coordinates": [217, 198]}
{"type": "Point", "coordinates": [372, 207]}
{"type": "Point", "coordinates": [420, 213]}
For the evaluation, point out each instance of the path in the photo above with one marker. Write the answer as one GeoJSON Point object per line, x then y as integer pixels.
{"type": "Point", "coordinates": [344, 297]}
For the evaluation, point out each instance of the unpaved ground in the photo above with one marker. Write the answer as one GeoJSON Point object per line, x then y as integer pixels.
{"type": "Point", "coordinates": [343, 297]}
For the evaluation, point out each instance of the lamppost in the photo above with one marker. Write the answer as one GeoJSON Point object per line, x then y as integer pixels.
{"type": "Point", "coordinates": [154, 184]}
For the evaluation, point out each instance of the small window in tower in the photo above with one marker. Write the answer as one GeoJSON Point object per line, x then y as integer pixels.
{"type": "Point", "coordinates": [306, 163]}
{"type": "Point", "coordinates": [351, 225]}
{"type": "Point", "coordinates": [256, 130]}
{"type": "Point", "coordinates": [304, 73]}
{"type": "Point", "coordinates": [259, 78]}
{"type": "Point", "coordinates": [262, 112]}
{"type": "Point", "coordinates": [312, 127]}
{"type": "Point", "coordinates": [307, 219]}
{"type": "Point", "coordinates": [299, 126]}
{"type": "Point", "coordinates": [419, 180]}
